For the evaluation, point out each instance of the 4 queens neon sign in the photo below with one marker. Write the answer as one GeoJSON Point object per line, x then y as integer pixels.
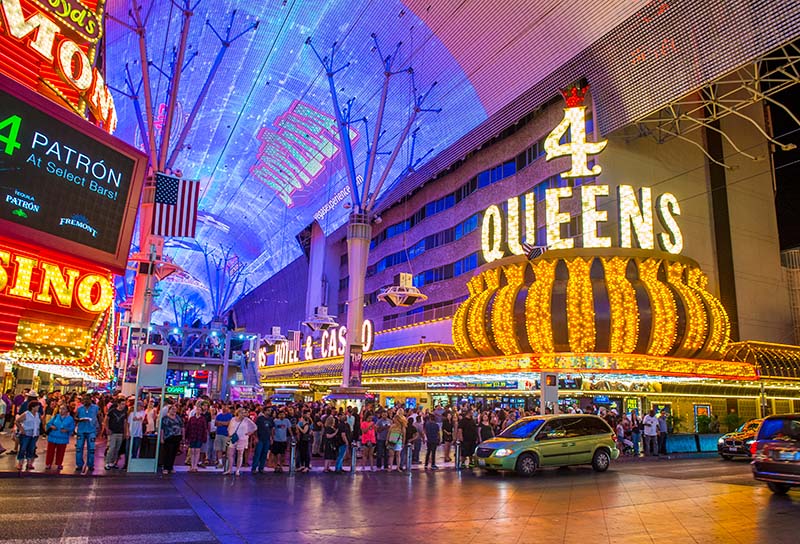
{"type": "Point", "coordinates": [635, 208]}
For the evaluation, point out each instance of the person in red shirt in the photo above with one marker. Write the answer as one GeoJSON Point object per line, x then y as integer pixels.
{"type": "Point", "coordinates": [196, 436]}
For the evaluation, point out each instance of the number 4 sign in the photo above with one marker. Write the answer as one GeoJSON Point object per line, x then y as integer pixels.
{"type": "Point", "coordinates": [9, 140]}
{"type": "Point", "coordinates": [577, 147]}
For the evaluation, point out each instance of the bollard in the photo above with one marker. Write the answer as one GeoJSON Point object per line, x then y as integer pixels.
{"type": "Point", "coordinates": [409, 457]}
{"type": "Point", "coordinates": [457, 453]}
{"type": "Point", "coordinates": [353, 457]}
{"type": "Point", "coordinates": [292, 458]}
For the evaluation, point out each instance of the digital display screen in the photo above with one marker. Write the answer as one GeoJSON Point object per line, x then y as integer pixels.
{"type": "Point", "coordinates": [64, 179]}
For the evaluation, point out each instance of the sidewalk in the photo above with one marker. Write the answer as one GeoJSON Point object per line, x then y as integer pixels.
{"type": "Point", "coordinates": [8, 462]}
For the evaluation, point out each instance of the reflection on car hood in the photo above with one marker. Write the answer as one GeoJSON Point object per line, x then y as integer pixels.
{"type": "Point", "coordinates": [498, 443]}
{"type": "Point", "coordinates": [740, 436]}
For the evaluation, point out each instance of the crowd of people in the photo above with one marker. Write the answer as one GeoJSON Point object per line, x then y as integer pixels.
{"type": "Point", "coordinates": [232, 436]}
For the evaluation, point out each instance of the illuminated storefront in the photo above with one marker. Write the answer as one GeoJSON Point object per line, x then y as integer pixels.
{"type": "Point", "coordinates": [591, 278]}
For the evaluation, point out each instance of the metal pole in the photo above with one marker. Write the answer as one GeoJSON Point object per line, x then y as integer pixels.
{"type": "Point", "coordinates": [175, 83]}
{"type": "Point", "coordinates": [223, 391]}
{"type": "Point", "coordinates": [409, 453]}
{"type": "Point", "coordinates": [458, 456]}
{"type": "Point", "coordinates": [353, 457]}
{"type": "Point", "coordinates": [292, 458]}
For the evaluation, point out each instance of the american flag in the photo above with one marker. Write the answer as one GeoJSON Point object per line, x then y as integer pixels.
{"type": "Point", "coordinates": [175, 210]}
{"type": "Point", "coordinates": [533, 251]}
{"type": "Point", "coordinates": [294, 340]}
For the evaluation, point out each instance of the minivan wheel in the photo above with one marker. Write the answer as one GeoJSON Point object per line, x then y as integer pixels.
{"type": "Point", "coordinates": [601, 460]}
{"type": "Point", "coordinates": [527, 464]}
{"type": "Point", "coordinates": [778, 489]}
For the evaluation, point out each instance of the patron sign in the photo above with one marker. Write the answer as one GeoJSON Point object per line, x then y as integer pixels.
{"type": "Point", "coordinates": [65, 180]}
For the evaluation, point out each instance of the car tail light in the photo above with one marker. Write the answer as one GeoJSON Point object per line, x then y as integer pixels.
{"type": "Point", "coordinates": [754, 448]}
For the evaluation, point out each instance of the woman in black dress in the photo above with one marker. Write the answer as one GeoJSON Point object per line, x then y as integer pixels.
{"type": "Point", "coordinates": [330, 444]}
{"type": "Point", "coordinates": [447, 434]}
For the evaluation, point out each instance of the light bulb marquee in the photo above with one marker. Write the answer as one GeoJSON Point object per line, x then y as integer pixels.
{"type": "Point", "coordinates": [53, 46]}
{"type": "Point", "coordinates": [57, 314]}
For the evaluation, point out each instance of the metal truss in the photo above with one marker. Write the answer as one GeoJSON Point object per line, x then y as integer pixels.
{"type": "Point", "coordinates": [729, 94]}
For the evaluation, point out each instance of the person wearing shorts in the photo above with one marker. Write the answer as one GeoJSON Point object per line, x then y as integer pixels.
{"type": "Point", "coordinates": [221, 439]}
{"type": "Point", "coordinates": [280, 436]}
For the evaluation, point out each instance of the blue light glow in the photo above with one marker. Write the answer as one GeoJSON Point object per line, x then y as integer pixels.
{"type": "Point", "coordinates": [260, 186]}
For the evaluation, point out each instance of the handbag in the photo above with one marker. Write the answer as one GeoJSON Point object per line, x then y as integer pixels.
{"type": "Point", "coordinates": [235, 435]}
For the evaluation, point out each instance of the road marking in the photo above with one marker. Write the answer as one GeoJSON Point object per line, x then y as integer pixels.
{"type": "Point", "coordinates": [104, 514]}
{"type": "Point", "coordinates": [148, 538]}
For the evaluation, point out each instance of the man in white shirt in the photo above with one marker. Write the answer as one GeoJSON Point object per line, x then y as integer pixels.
{"type": "Point", "coordinates": [650, 422]}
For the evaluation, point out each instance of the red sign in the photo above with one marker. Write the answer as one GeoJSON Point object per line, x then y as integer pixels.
{"type": "Point", "coordinates": [56, 311]}
{"type": "Point", "coordinates": [50, 46]}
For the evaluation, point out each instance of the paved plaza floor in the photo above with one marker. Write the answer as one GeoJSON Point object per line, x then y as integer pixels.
{"type": "Point", "coordinates": [669, 501]}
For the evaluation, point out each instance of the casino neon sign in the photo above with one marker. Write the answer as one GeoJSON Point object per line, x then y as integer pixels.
{"type": "Point", "coordinates": [635, 208]}
{"type": "Point", "coordinates": [50, 41]}
{"type": "Point", "coordinates": [24, 277]}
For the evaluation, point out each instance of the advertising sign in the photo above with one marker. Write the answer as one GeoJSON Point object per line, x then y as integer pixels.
{"type": "Point", "coordinates": [64, 183]}
{"type": "Point", "coordinates": [356, 357]}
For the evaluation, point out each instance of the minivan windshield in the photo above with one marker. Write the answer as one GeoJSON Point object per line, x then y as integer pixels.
{"type": "Point", "coordinates": [522, 429]}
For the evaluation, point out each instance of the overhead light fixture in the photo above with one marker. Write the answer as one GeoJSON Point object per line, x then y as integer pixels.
{"type": "Point", "coordinates": [403, 294]}
{"type": "Point", "coordinates": [320, 320]}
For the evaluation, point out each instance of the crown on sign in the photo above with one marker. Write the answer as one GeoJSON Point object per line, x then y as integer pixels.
{"type": "Point", "coordinates": [574, 95]}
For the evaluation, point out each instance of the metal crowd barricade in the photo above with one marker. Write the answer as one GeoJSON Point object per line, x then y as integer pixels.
{"type": "Point", "coordinates": [457, 453]}
{"type": "Point", "coordinates": [409, 457]}
{"type": "Point", "coordinates": [353, 457]}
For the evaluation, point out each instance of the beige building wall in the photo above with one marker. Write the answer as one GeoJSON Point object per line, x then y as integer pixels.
{"type": "Point", "coordinates": [762, 293]}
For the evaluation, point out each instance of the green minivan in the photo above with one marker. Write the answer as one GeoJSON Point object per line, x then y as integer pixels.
{"type": "Point", "coordinates": [556, 441]}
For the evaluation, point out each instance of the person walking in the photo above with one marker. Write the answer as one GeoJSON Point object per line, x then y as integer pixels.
{"type": "Point", "coordinates": [381, 435]}
{"type": "Point", "coordinates": [171, 436]}
{"type": "Point", "coordinates": [239, 430]}
{"type": "Point", "coordinates": [431, 429]}
{"type": "Point", "coordinates": [59, 429]}
{"type": "Point", "coordinates": [88, 422]}
{"type": "Point", "coordinates": [196, 436]}
{"type": "Point", "coordinates": [116, 426]}
{"type": "Point", "coordinates": [28, 425]}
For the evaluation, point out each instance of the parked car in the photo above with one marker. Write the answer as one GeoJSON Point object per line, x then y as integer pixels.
{"type": "Point", "coordinates": [776, 453]}
{"type": "Point", "coordinates": [737, 443]}
{"type": "Point", "coordinates": [542, 441]}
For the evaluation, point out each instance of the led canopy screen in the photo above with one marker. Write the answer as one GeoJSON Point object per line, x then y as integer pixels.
{"type": "Point", "coordinates": [63, 183]}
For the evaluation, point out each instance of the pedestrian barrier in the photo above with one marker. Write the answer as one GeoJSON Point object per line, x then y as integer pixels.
{"type": "Point", "coordinates": [457, 452]}
{"type": "Point", "coordinates": [353, 457]}
{"type": "Point", "coordinates": [292, 458]}
{"type": "Point", "coordinates": [409, 458]}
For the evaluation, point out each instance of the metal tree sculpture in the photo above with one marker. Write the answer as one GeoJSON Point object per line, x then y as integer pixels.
{"type": "Point", "coordinates": [226, 279]}
{"type": "Point", "coordinates": [359, 229]}
{"type": "Point", "coordinates": [184, 311]}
